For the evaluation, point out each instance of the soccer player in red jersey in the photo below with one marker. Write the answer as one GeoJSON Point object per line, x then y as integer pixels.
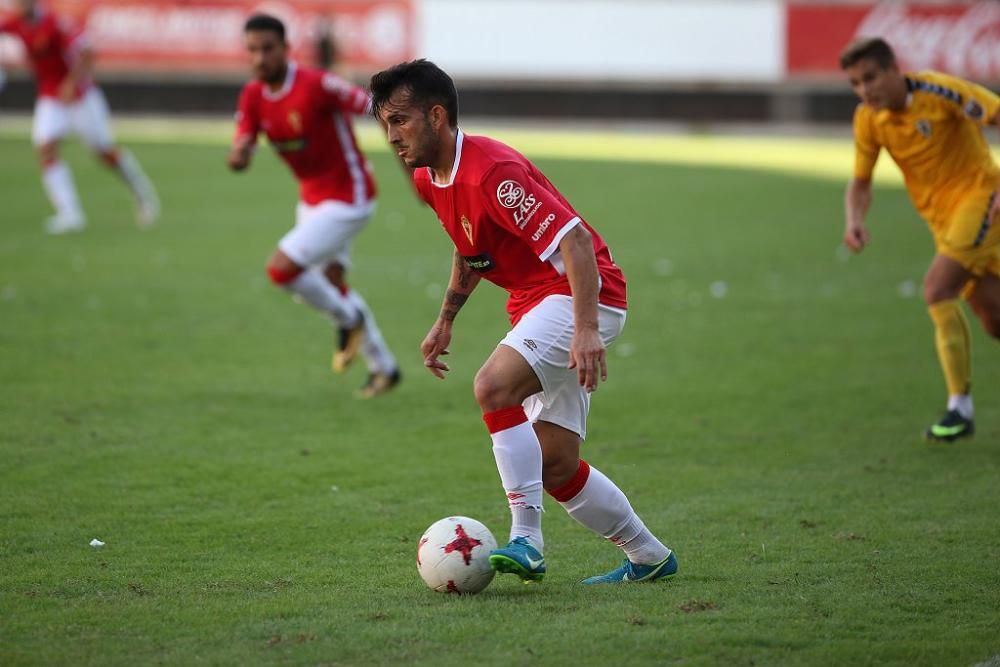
{"type": "Point", "coordinates": [306, 115]}
{"type": "Point", "coordinates": [511, 226]}
{"type": "Point", "coordinates": [69, 102]}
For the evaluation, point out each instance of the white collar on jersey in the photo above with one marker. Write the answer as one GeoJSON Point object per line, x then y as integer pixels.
{"type": "Point", "coordinates": [286, 86]}
{"type": "Point", "coordinates": [454, 168]}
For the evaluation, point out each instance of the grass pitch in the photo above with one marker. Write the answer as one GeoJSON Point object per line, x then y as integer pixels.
{"type": "Point", "coordinates": [763, 412]}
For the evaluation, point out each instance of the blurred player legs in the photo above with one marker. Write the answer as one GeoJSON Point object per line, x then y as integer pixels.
{"type": "Point", "coordinates": [319, 245]}
{"type": "Point", "coordinates": [89, 119]}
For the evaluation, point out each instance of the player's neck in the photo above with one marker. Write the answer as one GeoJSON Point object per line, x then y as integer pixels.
{"type": "Point", "coordinates": [446, 157]}
{"type": "Point", "coordinates": [278, 82]}
{"type": "Point", "coordinates": [901, 99]}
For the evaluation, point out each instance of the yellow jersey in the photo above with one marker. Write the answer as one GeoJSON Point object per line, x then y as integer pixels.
{"type": "Point", "coordinates": [937, 141]}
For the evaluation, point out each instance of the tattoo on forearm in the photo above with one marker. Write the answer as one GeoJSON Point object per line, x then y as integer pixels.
{"type": "Point", "coordinates": [457, 299]}
{"type": "Point", "coordinates": [453, 303]}
{"type": "Point", "coordinates": [464, 272]}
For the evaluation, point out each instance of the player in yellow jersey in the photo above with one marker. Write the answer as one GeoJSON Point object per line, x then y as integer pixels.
{"type": "Point", "coordinates": [931, 125]}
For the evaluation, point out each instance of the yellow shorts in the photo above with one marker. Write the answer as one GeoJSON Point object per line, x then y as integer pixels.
{"type": "Point", "coordinates": [971, 238]}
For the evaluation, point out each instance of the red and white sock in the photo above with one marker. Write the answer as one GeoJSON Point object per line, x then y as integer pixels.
{"type": "Point", "coordinates": [519, 459]}
{"type": "Point", "coordinates": [59, 185]}
{"type": "Point", "coordinates": [133, 175]}
{"type": "Point", "coordinates": [595, 502]}
{"type": "Point", "coordinates": [374, 349]}
{"type": "Point", "coordinates": [317, 291]}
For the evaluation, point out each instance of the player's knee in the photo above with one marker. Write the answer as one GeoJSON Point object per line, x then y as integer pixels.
{"type": "Point", "coordinates": [109, 157]}
{"type": "Point", "coordinates": [991, 324]}
{"type": "Point", "coordinates": [282, 275]}
{"type": "Point", "coordinates": [335, 274]}
{"type": "Point", "coordinates": [558, 469]}
{"type": "Point", "coordinates": [934, 293]}
{"type": "Point", "coordinates": [490, 393]}
{"type": "Point", "coordinates": [48, 154]}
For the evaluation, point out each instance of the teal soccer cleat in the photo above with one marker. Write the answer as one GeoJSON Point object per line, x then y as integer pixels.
{"type": "Point", "coordinates": [521, 558]}
{"type": "Point", "coordinates": [629, 572]}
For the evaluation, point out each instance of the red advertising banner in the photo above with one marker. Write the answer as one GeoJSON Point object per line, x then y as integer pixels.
{"type": "Point", "coordinates": [205, 36]}
{"type": "Point", "coordinates": [958, 38]}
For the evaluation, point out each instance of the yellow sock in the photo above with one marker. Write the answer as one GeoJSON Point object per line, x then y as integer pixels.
{"type": "Point", "coordinates": [954, 347]}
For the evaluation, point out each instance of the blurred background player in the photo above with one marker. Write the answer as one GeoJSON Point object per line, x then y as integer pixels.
{"type": "Point", "coordinates": [305, 114]}
{"type": "Point", "coordinates": [931, 125]}
{"type": "Point", "coordinates": [68, 101]}
{"type": "Point", "coordinates": [511, 226]}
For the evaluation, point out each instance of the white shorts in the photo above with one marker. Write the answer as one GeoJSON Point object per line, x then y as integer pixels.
{"type": "Point", "coordinates": [88, 118]}
{"type": "Point", "coordinates": [542, 337]}
{"type": "Point", "coordinates": [323, 233]}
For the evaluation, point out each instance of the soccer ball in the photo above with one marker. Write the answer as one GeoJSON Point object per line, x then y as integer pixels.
{"type": "Point", "coordinates": [453, 555]}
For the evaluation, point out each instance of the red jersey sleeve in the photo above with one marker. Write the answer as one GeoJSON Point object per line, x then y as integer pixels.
{"type": "Point", "coordinates": [72, 39]}
{"type": "Point", "coordinates": [530, 210]}
{"type": "Point", "coordinates": [247, 117]}
{"type": "Point", "coordinates": [343, 95]}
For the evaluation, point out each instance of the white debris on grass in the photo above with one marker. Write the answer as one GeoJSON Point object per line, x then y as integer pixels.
{"type": "Point", "coordinates": [907, 289]}
{"type": "Point", "coordinates": [663, 267]}
{"type": "Point", "coordinates": [624, 349]}
{"type": "Point", "coordinates": [96, 543]}
{"type": "Point", "coordinates": [718, 289]}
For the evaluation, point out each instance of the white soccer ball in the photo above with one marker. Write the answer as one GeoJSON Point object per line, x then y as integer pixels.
{"type": "Point", "coordinates": [453, 555]}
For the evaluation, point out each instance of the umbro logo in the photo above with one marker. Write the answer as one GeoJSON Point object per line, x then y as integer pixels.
{"type": "Point", "coordinates": [530, 344]}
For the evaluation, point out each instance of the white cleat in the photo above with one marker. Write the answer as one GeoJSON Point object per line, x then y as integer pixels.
{"type": "Point", "coordinates": [64, 225]}
{"type": "Point", "coordinates": [147, 210]}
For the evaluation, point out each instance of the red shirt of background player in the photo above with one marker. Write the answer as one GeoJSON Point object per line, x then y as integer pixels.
{"type": "Point", "coordinates": [506, 220]}
{"type": "Point", "coordinates": [50, 44]}
{"type": "Point", "coordinates": [308, 121]}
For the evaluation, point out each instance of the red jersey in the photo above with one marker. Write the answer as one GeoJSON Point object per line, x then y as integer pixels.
{"type": "Point", "coordinates": [506, 220]}
{"type": "Point", "coordinates": [51, 45]}
{"type": "Point", "coordinates": [308, 122]}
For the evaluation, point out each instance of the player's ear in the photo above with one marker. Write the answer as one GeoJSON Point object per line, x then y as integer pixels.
{"type": "Point", "coordinates": [439, 116]}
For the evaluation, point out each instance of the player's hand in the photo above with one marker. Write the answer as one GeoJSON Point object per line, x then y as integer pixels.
{"type": "Point", "coordinates": [436, 345]}
{"type": "Point", "coordinates": [239, 158]}
{"type": "Point", "coordinates": [239, 155]}
{"type": "Point", "coordinates": [587, 355]}
{"type": "Point", "coordinates": [67, 90]}
{"type": "Point", "coordinates": [856, 237]}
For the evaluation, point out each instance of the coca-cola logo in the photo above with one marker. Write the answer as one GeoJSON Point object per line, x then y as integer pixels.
{"type": "Point", "coordinates": [963, 40]}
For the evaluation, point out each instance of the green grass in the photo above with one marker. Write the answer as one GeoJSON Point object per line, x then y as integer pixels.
{"type": "Point", "coordinates": [157, 393]}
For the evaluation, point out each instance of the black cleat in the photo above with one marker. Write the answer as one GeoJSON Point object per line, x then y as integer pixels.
{"type": "Point", "coordinates": [951, 427]}
{"type": "Point", "coordinates": [380, 383]}
{"type": "Point", "coordinates": [348, 345]}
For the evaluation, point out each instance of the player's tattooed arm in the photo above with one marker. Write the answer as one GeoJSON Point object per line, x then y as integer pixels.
{"type": "Point", "coordinates": [463, 281]}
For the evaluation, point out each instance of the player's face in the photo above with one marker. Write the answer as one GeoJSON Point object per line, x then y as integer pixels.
{"type": "Point", "coordinates": [26, 6]}
{"type": "Point", "coordinates": [410, 131]}
{"type": "Point", "coordinates": [878, 87]}
{"type": "Point", "coordinates": [268, 55]}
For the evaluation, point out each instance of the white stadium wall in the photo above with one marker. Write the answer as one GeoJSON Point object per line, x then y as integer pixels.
{"type": "Point", "coordinates": [626, 41]}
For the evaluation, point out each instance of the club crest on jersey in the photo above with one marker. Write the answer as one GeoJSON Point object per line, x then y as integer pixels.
{"type": "Point", "coordinates": [510, 194]}
{"type": "Point", "coordinates": [295, 120]}
{"type": "Point", "coordinates": [467, 227]}
{"type": "Point", "coordinates": [924, 127]}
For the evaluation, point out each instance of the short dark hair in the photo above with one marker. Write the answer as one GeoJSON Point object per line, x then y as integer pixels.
{"type": "Point", "coordinates": [265, 22]}
{"type": "Point", "coordinates": [875, 48]}
{"type": "Point", "coordinates": [425, 83]}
